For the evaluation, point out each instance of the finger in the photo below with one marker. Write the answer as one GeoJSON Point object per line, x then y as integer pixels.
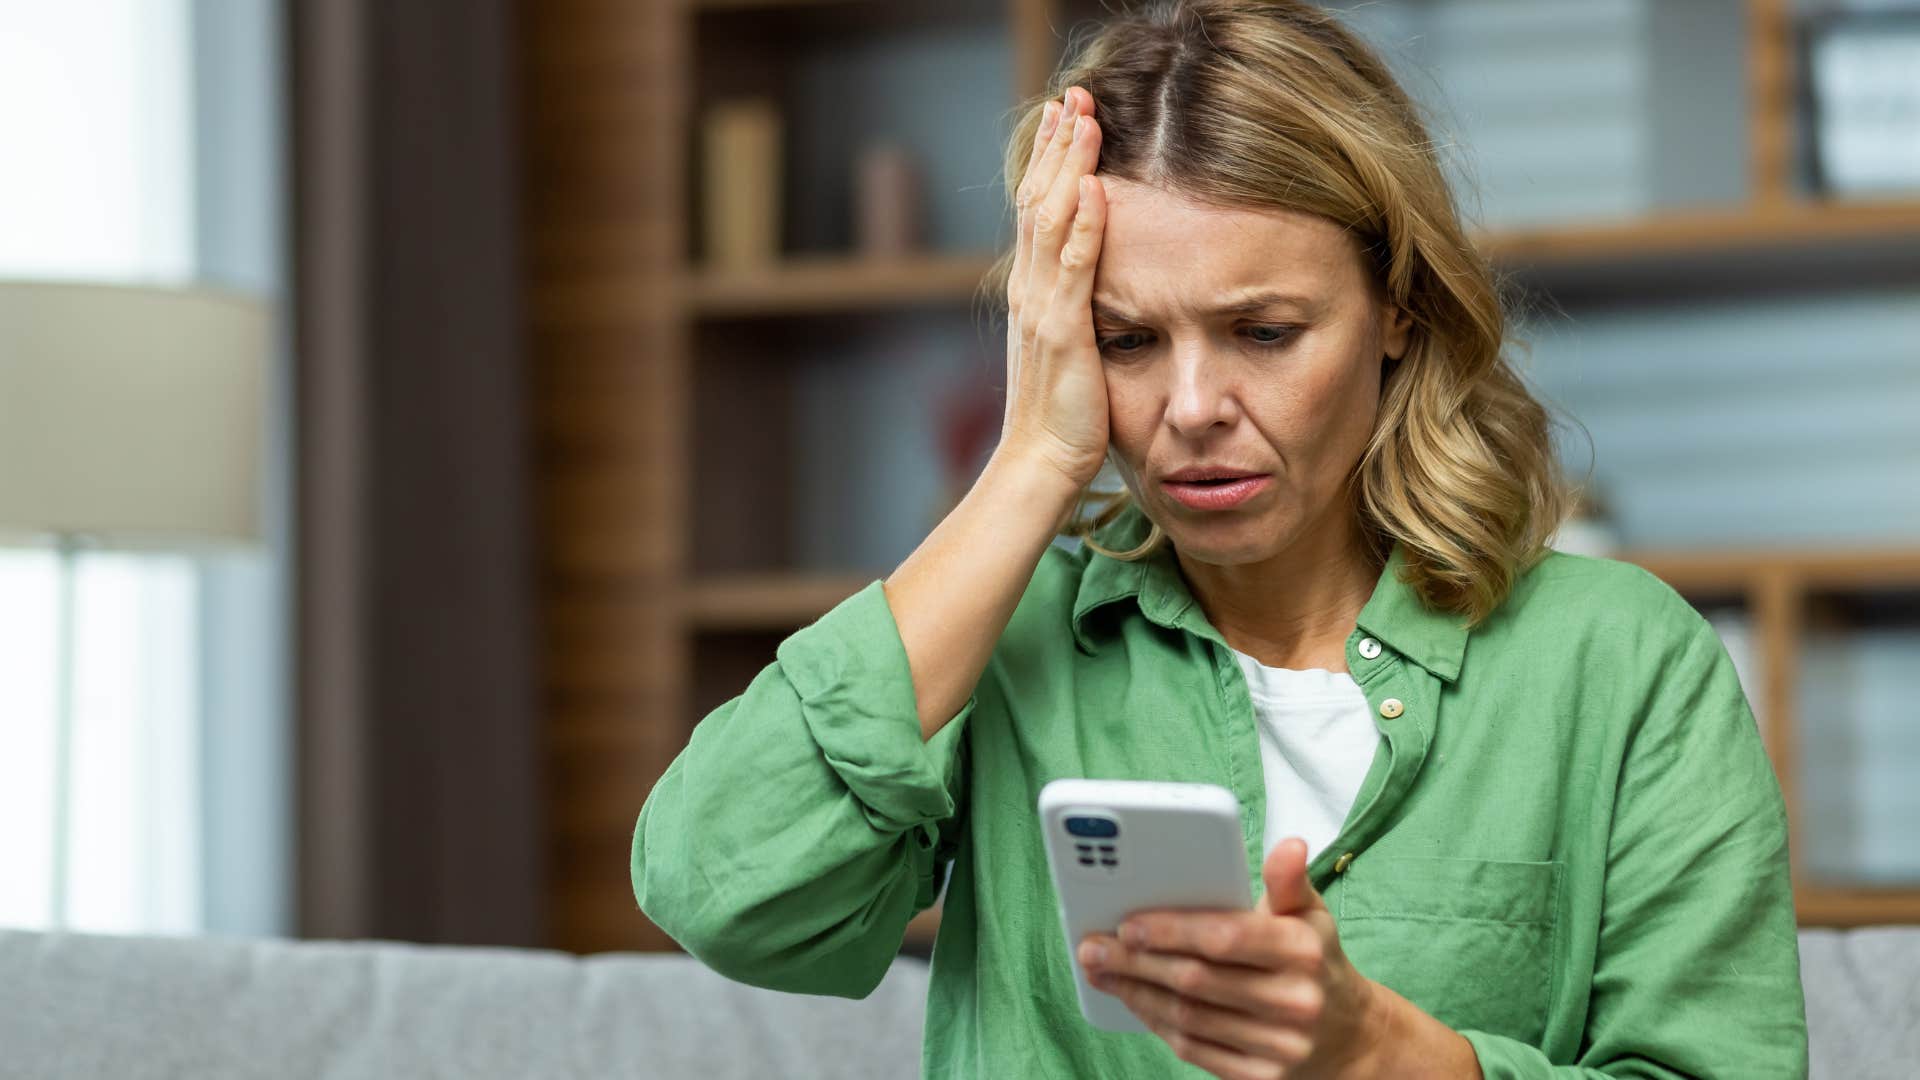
{"type": "Point", "coordinates": [1225, 1041]}
{"type": "Point", "coordinates": [1074, 290]}
{"type": "Point", "coordinates": [1054, 215]}
{"type": "Point", "coordinates": [1253, 938]}
{"type": "Point", "coordinates": [1042, 136]}
{"type": "Point", "coordinates": [1047, 172]}
{"type": "Point", "coordinates": [1024, 196]}
{"type": "Point", "coordinates": [1284, 877]}
{"type": "Point", "coordinates": [1257, 991]}
{"type": "Point", "coordinates": [1072, 296]}
{"type": "Point", "coordinates": [1073, 104]}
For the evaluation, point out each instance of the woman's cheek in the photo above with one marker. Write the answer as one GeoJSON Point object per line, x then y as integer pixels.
{"type": "Point", "coordinates": [1122, 424]}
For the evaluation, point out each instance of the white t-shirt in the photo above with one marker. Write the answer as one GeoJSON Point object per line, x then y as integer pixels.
{"type": "Point", "coordinates": [1317, 740]}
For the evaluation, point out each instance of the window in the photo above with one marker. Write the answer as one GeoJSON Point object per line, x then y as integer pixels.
{"type": "Point", "coordinates": [102, 98]}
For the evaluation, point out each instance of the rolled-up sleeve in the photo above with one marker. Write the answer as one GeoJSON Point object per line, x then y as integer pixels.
{"type": "Point", "coordinates": [1697, 970]}
{"type": "Point", "coordinates": [806, 821]}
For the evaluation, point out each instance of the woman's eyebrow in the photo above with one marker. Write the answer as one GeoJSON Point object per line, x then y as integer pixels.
{"type": "Point", "coordinates": [1246, 305]}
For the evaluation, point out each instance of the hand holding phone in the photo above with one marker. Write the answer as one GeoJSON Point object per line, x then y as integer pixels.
{"type": "Point", "coordinates": [1117, 847]}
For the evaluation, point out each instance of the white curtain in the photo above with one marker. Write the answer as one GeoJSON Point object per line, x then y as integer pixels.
{"type": "Point", "coordinates": [97, 129]}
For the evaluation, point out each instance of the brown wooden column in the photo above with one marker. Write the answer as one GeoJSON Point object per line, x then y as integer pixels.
{"type": "Point", "coordinates": [603, 104]}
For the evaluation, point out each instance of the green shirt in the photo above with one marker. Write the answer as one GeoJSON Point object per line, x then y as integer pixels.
{"type": "Point", "coordinates": [1570, 845]}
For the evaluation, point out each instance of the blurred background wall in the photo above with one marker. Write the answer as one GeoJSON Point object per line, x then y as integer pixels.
{"type": "Point", "coordinates": [615, 341]}
{"type": "Point", "coordinates": [419, 801]}
{"type": "Point", "coordinates": [144, 146]}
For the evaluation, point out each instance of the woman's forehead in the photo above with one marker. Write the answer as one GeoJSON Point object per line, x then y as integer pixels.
{"type": "Point", "coordinates": [1162, 254]}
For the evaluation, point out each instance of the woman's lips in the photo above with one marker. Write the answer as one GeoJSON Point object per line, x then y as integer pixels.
{"type": "Point", "coordinates": [1217, 495]}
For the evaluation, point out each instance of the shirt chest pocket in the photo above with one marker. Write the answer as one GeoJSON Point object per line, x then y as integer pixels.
{"type": "Point", "coordinates": [1470, 941]}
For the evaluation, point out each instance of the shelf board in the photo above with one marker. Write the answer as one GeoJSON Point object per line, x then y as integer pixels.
{"type": "Point", "coordinates": [1827, 905]}
{"type": "Point", "coordinates": [1734, 569]}
{"type": "Point", "coordinates": [1706, 231]}
{"type": "Point", "coordinates": [1687, 241]}
{"type": "Point", "coordinates": [1752, 251]}
{"type": "Point", "coordinates": [766, 601]}
{"type": "Point", "coordinates": [811, 284]}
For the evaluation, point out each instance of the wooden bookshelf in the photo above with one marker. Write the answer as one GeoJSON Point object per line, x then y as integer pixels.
{"type": "Point", "coordinates": [626, 335]}
{"type": "Point", "coordinates": [1778, 589]}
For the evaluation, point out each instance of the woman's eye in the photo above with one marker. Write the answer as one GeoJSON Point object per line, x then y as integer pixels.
{"type": "Point", "coordinates": [1265, 336]}
{"type": "Point", "coordinates": [1281, 334]}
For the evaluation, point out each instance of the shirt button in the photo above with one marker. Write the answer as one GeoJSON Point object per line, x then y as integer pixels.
{"type": "Point", "coordinates": [1369, 648]}
{"type": "Point", "coordinates": [1340, 864]}
{"type": "Point", "coordinates": [1391, 708]}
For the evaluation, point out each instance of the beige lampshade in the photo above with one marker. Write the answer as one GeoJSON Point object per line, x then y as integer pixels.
{"type": "Point", "coordinates": [131, 415]}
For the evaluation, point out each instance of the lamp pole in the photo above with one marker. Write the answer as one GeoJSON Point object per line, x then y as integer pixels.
{"type": "Point", "coordinates": [67, 547]}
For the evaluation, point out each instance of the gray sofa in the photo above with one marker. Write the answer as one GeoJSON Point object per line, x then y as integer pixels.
{"type": "Point", "coordinates": [84, 1005]}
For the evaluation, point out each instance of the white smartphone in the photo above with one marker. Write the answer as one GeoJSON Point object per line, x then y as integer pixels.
{"type": "Point", "coordinates": [1121, 846]}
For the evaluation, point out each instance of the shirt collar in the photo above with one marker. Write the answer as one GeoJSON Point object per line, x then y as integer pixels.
{"type": "Point", "coordinates": [1395, 614]}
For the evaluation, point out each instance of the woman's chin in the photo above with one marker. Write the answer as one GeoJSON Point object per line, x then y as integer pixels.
{"type": "Point", "coordinates": [1222, 539]}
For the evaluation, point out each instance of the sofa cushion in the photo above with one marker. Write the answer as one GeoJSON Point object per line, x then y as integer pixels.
{"type": "Point", "coordinates": [91, 1005]}
{"type": "Point", "coordinates": [86, 1005]}
{"type": "Point", "coordinates": [1863, 1001]}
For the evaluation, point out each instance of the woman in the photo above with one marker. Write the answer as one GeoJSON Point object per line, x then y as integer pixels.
{"type": "Point", "coordinates": [1507, 808]}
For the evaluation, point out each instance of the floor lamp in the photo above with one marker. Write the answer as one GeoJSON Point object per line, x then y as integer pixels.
{"type": "Point", "coordinates": [130, 417]}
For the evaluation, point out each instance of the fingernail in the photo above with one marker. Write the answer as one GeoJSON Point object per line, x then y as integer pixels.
{"type": "Point", "coordinates": [1093, 953]}
{"type": "Point", "coordinates": [1049, 116]}
{"type": "Point", "coordinates": [1079, 122]}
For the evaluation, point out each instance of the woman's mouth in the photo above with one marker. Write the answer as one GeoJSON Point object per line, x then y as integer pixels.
{"type": "Point", "coordinates": [1223, 493]}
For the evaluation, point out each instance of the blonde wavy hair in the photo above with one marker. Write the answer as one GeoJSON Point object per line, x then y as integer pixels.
{"type": "Point", "coordinates": [1255, 105]}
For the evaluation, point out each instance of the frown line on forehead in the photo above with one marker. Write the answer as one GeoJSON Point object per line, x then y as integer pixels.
{"type": "Point", "coordinates": [1248, 304]}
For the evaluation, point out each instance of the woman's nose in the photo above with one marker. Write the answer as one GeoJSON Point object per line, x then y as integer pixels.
{"type": "Point", "coordinates": [1199, 398]}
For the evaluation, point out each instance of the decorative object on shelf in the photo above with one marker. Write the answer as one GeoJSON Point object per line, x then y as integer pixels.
{"type": "Point", "coordinates": [970, 417]}
{"type": "Point", "coordinates": [1589, 530]}
{"type": "Point", "coordinates": [1862, 93]}
{"type": "Point", "coordinates": [130, 417]}
{"type": "Point", "coordinates": [888, 212]}
{"type": "Point", "coordinates": [742, 181]}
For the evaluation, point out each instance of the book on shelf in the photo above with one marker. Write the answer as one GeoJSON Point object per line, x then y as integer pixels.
{"type": "Point", "coordinates": [741, 183]}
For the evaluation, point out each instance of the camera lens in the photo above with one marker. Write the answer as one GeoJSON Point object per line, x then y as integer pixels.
{"type": "Point", "coordinates": [1093, 826]}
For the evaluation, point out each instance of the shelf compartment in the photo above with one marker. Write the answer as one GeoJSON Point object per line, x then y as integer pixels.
{"type": "Point", "coordinates": [766, 601]}
{"type": "Point", "coordinates": [1858, 746]}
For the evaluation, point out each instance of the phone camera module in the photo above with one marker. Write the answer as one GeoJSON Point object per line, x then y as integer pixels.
{"type": "Point", "coordinates": [1093, 826]}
